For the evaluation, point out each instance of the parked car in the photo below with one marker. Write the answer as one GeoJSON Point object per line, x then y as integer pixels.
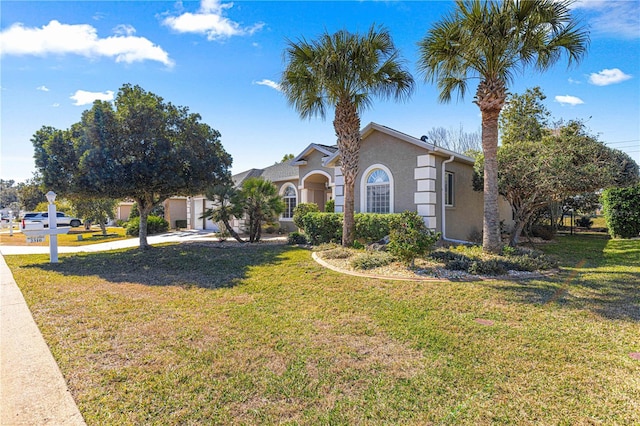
{"type": "Point", "coordinates": [36, 219]}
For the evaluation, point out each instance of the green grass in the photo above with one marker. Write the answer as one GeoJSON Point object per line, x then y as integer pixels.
{"type": "Point", "coordinates": [92, 236]}
{"type": "Point", "coordinates": [194, 334]}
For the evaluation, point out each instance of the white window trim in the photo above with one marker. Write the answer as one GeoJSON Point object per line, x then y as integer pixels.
{"type": "Point", "coordinates": [452, 202]}
{"type": "Point", "coordinates": [295, 190]}
{"type": "Point", "coordinates": [363, 186]}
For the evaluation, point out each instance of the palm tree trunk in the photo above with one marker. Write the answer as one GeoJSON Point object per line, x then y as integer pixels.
{"type": "Point", "coordinates": [347, 127]}
{"type": "Point", "coordinates": [491, 223]}
{"type": "Point", "coordinates": [232, 231]}
{"type": "Point", "coordinates": [490, 97]}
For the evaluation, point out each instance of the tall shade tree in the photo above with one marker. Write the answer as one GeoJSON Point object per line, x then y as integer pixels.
{"type": "Point", "coordinates": [492, 41]}
{"type": "Point", "coordinates": [143, 148]}
{"type": "Point", "coordinates": [344, 71]}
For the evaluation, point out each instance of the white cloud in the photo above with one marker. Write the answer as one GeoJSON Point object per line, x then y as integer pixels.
{"type": "Point", "coordinates": [210, 21]}
{"type": "Point", "coordinates": [42, 88]}
{"type": "Point", "coordinates": [80, 39]}
{"type": "Point", "coordinates": [82, 97]}
{"type": "Point", "coordinates": [607, 77]}
{"type": "Point", "coordinates": [572, 81]}
{"type": "Point", "coordinates": [617, 18]}
{"type": "Point", "coordinates": [56, 105]}
{"type": "Point", "coordinates": [125, 30]}
{"type": "Point", "coordinates": [569, 100]}
{"type": "Point", "coordinates": [268, 83]}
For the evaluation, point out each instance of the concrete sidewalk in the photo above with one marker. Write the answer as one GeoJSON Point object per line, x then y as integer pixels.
{"type": "Point", "coordinates": [32, 388]}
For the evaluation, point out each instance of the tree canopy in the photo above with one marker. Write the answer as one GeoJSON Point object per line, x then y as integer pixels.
{"type": "Point", "coordinates": [538, 167]}
{"type": "Point", "coordinates": [139, 147]}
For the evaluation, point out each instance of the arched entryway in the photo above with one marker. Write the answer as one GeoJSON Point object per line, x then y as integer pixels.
{"type": "Point", "coordinates": [316, 187]}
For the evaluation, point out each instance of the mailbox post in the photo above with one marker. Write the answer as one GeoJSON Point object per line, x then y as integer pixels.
{"type": "Point", "coordinates": [53, 225]}
{"type": "Point", "coordinates": [37, 233]}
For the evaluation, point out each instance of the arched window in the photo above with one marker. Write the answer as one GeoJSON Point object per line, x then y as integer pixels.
{"type": "Point", "coordinates": [378, 192]}
{"type": "Point", "coordinates": [290, 201]}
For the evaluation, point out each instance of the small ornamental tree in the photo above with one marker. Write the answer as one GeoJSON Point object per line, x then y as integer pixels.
{"type": "Point", "coordinates": [622, 211]}
{"type": "Point", "coordinates": [98, 210]}
{"type": "Point", "coordinates": [410, 238]}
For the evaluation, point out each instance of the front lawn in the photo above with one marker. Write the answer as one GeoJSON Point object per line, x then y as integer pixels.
{"type": "Point", "coordinates": [75, 237]}
{"type": "Point", "coordinates": [260, 334]}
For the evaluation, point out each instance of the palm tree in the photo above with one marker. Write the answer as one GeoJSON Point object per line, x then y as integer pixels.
{"type": "Point", "coordinates": [492, 41]}
{"type": "Point", "coordinates": [344, 71]}
{"type": "Point", "coordinates": [261, 203]}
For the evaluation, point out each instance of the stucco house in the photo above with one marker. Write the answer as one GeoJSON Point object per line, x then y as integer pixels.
{"type": "Point", "coordinates": [397, 172]}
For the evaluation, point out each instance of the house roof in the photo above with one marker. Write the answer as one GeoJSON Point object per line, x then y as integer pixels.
{"type": "Point", "coordinates": [327, 150]}
{"type": "Point", "coordinates": [371, 127]}
{"type": "Point", "coordinates": [276, 173]}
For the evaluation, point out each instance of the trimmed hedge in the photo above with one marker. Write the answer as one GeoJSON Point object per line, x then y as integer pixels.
{"type": "Point", "coordinates": [622, 211]}
{"type": "Point", "coordinates": [327, 227]}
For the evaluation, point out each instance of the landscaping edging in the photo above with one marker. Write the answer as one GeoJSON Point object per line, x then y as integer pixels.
{"type": "Point", "coordinates": [334, 268]}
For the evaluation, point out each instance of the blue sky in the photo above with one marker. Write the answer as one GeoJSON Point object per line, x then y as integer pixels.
{"type": "Point", "coordinates": [222, 60]}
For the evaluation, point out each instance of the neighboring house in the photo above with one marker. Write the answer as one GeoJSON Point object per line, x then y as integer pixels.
{"type": "Point", "coordinates": [397, 172]}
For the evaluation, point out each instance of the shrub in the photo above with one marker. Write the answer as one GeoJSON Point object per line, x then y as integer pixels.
{"type": "Point", "coordinates": [487, 267]}
{"type": "Point", "coordinates": [155, 225]}
{"type": "Point", "coordinates": [461, 264]}
{"type": "Point", "coordinates": [584, 222]}
{"type": "Point", "coordinates": [371, 260]}
{"type": "Point", "coordinates": [322, 227]}
{"type": "Point", "coordinates": [296, 238]}
{"type": "Point", "coordinates": [330, 206]}
{"type": "Point", "coordinates": [271, 228]}
{"type": "Point", "coordinates": [372, 227]}
{"type": "Point", "coordinates": [410, 238]}
{"type": "Point", "coordinates": [622, 211]}
{"type": "Point", "coordinates": [301, 210]}
{"type": "Point", "coordinates": [337, 253]}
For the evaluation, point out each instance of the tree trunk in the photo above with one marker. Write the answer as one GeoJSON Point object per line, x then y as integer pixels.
{"type": "Point", "coordinates": [232, 231]}
{"type": "Point", "coordinates": [103, 227]}
{"type": "Point", "coordinates": [144, 207]}
{"type": "Point", "coordinates": [347, 128]}
{"type": "Point", "coordinates": [490, 97]}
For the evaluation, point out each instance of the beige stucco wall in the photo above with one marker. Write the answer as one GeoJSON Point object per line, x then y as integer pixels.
{"type": "Point", "coordinates": [175, 209]}
{"type": "Point", "coordinates": [400, 158]}
{"type": "Point", "coordinates": [465, 216]}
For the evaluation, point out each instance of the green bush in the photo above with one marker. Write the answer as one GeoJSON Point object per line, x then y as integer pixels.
{"type": "Point", "coordinates": [155, 225]}
{"type": "Point", "coordinates": [330, 206]}
{"type": "Point", "coordinates": [301, 210]}
{"type": "Point", "coordinates": [487, 267]}
{"type": "Point", "coordinates": [371, 260]}
{"type": "Point", "coordinates": [622, 211]}
{"type": "Point", "coordinates": [296, 238]}
{"type": "Point", "coordinates": [410, 238]}
{"type": "Point", "coordinates": [372, 227]}
{"type": "Point", "coordinates": [271, 228]}
{"type": "Point", "coordinates": [322, 227]}
{"type": "Point", "coordinates": [181, 224]}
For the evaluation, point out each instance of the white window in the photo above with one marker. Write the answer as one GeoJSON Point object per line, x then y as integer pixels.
{"type": "Point", "coordinates": [290, 201]}
{"type": "Point", "coordinates": [378, 192]}
{"type": "Point", "coordinates": [449, 188]}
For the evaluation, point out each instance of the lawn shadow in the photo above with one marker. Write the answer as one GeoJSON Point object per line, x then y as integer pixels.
{"type": "Point", "coordinates": [597, 274]}
{"type": "Point", "coordinates": [189, 264]}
